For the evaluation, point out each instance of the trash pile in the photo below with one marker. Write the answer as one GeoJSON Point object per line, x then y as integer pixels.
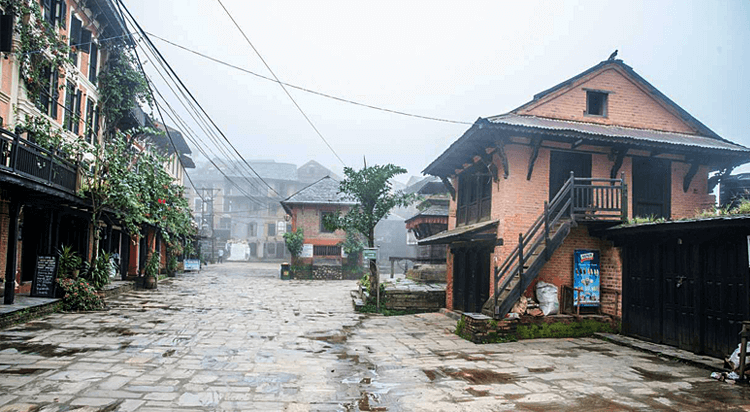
{"type": "Point", "coordinates": [733, 363]}
{"type": "Point", "coordinates": [546, 294]}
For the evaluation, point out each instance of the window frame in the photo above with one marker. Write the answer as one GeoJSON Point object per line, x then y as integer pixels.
{"type": "Point", "coordinates": [474, 197]}
{"type": "Point", "coordinates": [323, 214]}
{"type": "Point", "coordinates": [590, 93]}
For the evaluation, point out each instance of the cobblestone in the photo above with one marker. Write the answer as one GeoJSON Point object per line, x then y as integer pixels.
{"type": "Point", "coordinates": [235, 337]}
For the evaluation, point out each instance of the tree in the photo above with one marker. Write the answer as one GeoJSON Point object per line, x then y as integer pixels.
{"type": "Point", "coordinates": [294, 242]}
{"type": "Point", "coordinates": [371, 189]}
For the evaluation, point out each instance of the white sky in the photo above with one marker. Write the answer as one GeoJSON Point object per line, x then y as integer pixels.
{"type": "Point", "coordinates": [453, 60]}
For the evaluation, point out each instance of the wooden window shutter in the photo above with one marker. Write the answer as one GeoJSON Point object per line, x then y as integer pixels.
{"type": "Point", "coordinates": [96, 123]}
{"type": "Point", "coordinates": [6, 33]}
{"type": "Point", "coordinates": [75, 31]}
{"type": "Point", "coordinates": [49, 11]}
{"type": "Point", "coordinates": [93, 61]}
{"type": "Point", "coordinates": [55, 92]}
{"type": "Point", "coordinates": [62, 16]}
{"type": "Point", "coordinates": [85, 43]}
{"type": "Point", "coordinates": [77, 118]}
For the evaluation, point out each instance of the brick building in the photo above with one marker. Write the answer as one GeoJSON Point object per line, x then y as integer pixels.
{"type": "Point", "coordinates": [307, 209]}
{"type": "Point", "coordinates": [531, 186]}
{"type": "Point", "coordinates": [39, 205]}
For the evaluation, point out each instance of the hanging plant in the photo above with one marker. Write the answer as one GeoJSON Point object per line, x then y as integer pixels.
{"type": "Point", "coordinates": [40, 45]}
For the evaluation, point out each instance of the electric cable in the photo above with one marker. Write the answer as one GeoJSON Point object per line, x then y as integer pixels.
{"type": "Point", "coordinates": [145, 37]}
{"type": "Point", "coordinates": [280, 83]}
{"type": "Point", "coordinates": [303, 89]}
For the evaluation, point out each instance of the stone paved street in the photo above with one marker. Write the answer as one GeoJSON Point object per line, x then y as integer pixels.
{"type": "Point", "coordinates": [235, 337]}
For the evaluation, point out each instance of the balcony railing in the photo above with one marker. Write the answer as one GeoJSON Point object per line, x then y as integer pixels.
{"type": "Point", "coordinates": [35, 163]}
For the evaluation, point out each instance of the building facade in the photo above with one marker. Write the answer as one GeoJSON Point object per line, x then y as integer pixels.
{"type": "Point", "coordinates": [531, 187]}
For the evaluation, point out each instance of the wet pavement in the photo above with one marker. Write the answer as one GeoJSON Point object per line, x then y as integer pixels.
{"type": "Point", "coordinates": [235, 337]}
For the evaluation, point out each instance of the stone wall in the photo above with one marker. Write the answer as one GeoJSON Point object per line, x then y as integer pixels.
{"type": "Point", "coordinates": [422, 301]}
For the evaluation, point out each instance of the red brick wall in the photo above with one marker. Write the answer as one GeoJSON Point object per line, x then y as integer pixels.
{"type": "Point", "coordinates": [308, 219]}
{"type": "Point", "coordinates": [628, 104]}
{"type": "Point", "coordinates": [559, 269]}
{"type": "Point", "coordinates": [517, 202]}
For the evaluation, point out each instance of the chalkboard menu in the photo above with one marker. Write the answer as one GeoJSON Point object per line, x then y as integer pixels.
{"type": "Point", "coordinates": [44, 277]}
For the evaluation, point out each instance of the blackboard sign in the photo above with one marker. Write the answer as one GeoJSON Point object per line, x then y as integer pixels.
{"type": "Point", "coordinates": [44, 277]}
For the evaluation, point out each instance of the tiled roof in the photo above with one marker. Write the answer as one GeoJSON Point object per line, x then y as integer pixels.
{"type": "Point", "coordinates": [324, 191]}
{"type": "Point", "coordinates": [627, 133]}
{"type": "Point", "coordinates": [437, 210]}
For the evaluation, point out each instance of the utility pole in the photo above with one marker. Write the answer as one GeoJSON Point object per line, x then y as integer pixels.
{"type": "Point", "coordinates": [207, 208]}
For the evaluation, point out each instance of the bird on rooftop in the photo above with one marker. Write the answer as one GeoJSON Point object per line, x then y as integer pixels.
{"type": "Point", "coordinates": [613, 55]}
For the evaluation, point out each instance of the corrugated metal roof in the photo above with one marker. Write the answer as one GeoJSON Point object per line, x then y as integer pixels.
{"type": "Point", "coordinates": [678, 224]}
{"type": "Point", "coordinates": [597, 130]}
{"type": "Point", "coordinates": [450, 235]}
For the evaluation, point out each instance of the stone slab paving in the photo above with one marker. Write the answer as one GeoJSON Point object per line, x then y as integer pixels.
{"type": "Point", "coordinates": [234, 337]}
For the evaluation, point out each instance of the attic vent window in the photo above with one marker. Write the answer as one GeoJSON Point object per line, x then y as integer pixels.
{"type": "Point", "coordinates": [596, 103]}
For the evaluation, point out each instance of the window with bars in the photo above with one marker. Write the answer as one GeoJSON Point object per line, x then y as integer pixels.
{"type": "Point", "coordinates": [326, 250]}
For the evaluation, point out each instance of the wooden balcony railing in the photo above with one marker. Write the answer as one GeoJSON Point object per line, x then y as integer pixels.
{"type": "Point", "coordinates": [33, 162]}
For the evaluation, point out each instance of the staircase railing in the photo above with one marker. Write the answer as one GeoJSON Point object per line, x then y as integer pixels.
{"type": "Point", "coordinates": [579, 199]}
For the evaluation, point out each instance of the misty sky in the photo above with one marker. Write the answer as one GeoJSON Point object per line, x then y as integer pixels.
{"type": "Point", "coordinates": [452, 60]}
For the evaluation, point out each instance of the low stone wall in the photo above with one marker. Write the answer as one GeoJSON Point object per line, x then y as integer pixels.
{"type": "Point", "coordinates": [423, 301]}
{"type": "Point", "coordinates": [422, 272]}
{"type": "Point", "coordinates": [325, 272]}
{"type": "Point", "coordinates": [480, 328]}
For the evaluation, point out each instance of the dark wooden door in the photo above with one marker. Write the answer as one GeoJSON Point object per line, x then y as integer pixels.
{"type": "Point", "coordinates": [471, 278]}
{"type": "Point", "coordinates": [640, 295]}
{"type": "Point", "coordinates": [651, 187]}
{"type": "Point", "coordinates": [724, 293]}
{"type": "Point", "coordinates": [679, 295]}
{"type": "Point", "coordinates": [561, 164]}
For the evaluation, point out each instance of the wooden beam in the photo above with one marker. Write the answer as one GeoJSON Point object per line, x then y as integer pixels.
{"type": "Point", "coordinates": [500, 146]}
{"type": "Point", "coordinates": [449, 186]}
{"type": "Point", "coordinates": [486, 160]}
{"type": "Point", "coordinates": [689, 176]}
{"type": "Point", "coordinates": [534, 154]}
{"type": "Point", "coordinates": [577, 143]}
{"type": "Point", "coordinates": [619, 156]}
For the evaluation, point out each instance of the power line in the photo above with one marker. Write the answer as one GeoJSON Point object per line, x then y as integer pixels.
{"type": "Point", "coordinates": [280, 83]}
{"type": "Point", "coordinates": [306, 90]}
{"type": "Point", "coordinates": [182, 84]}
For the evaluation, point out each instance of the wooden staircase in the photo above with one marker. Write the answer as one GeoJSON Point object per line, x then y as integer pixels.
{"type": "Point", "coordinates": [579, 200]}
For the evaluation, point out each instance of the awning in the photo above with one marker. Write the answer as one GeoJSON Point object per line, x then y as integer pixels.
{"type": "Point", "coordinates": [481, 231]}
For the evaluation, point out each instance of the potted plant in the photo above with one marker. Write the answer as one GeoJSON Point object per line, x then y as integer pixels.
{"type": "Point", "coordinates": [69, 263]}
{"type": "Point", "coordinates": [152, 271]}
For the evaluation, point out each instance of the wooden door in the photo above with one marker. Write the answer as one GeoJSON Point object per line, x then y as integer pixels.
{"type": "Point", "coordinates": [561, 164]}
{"type": "Point", "coordinates": [651, 187]}
{"type": "Point", "coordinates": [640, 295]}
{"type": "Point", "coordinates": [679, 295]}
{"type": "Point", "coordinates": [459, 280]}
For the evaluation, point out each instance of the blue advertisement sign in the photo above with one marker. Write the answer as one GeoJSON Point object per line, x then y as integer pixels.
{"type": "Point", "coordinates": [586, 278]}
{"type": "Point", "coordinates": [192, 264]}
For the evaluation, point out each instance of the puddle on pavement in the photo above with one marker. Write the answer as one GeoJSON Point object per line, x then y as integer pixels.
{"type": "Point", "coordinates": [473, 376]}
{"type": "Point", "coordinates": [542, 370]}
{"type": "Point", "coordinates": [116, 330]}
{"type": "Point", "coordinates": [24, 371]}
{"type": "Point", "coordinates": [168, 353]}
{"type": "Point", "coordinates": [364, 402]}
{"type": "Point", "coordinates": [42, 349]}
{"type": "Point", "coordinates": [330, 337]}
{"type": "Point", "coordinates": [651, 376]}
{"type": "Point", "coordinates": [478, 393]}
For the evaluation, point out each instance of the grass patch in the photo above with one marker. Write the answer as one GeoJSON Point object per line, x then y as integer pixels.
{"type": "Point", "coordinates": [584, 328]}
{"type": "Point", "coordinates": [372, 308]}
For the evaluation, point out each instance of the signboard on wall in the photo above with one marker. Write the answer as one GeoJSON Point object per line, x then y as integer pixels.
{"type": "Point", "coordinates": [192, 264]}
{"type": "Point", "coordinates": [307, 251]}
{"type": "Point", "coordinates": [586, 278]}
{"type": "Point", "coordinates": [370, 253]}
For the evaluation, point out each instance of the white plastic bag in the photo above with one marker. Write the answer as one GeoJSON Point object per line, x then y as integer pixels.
{"type": "Point", "coordinates": [734, 360]}
{"type": "Point", "coordinates": [546, 294]}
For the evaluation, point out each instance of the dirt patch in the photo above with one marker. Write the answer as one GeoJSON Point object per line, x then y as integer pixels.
{"type": "Point", "coordinates": [335, 338]}
{"type": "Point", "coordinates": [116, 331]}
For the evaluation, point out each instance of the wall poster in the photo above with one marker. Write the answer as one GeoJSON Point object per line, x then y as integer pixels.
{"type": "Point", "coordinates": [586, 278]}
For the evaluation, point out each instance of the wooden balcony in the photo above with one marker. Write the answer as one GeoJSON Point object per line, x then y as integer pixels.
{"type": "Point", "coordinates": [28, 160]}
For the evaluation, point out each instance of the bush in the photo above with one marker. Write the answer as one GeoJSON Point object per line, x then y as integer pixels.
{"type": "Point", "coordinates": [101, 270]}
{"type": "Point", "coordinates": [79, 295]}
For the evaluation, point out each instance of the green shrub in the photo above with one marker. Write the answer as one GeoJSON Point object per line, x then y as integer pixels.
{"type": "Point", "coordinates": [99, 274]}
{"type": "Point", "coordinates": [79, 295]}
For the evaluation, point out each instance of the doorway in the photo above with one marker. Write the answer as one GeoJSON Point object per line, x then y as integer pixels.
{"type": "Point", "coordinates": [471, 277]}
